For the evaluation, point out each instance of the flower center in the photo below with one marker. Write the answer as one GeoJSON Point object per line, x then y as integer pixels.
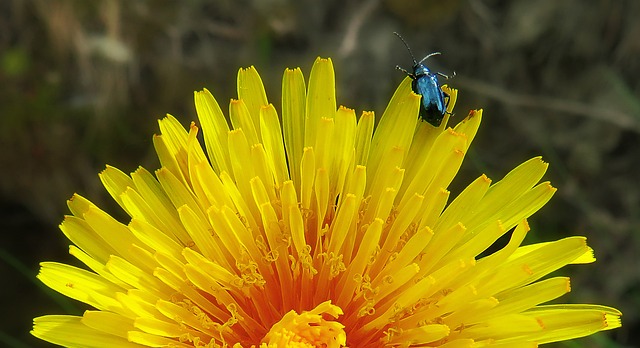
{"type": "Point", "coordinates": [308, 329]}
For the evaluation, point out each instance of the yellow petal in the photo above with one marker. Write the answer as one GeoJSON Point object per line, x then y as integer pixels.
{"type": "Point", "coordinates": [69, 331]}
{"type": "Point", "coordinates": [215, 129]}
{"type": "Point", "coordinates": [321, 98]}
{"type": "Point", "coordinates": [396, 127]}
{"type": "Point", "coordinates": [273, 144]}
{"type": "Point", "coordinates": [251, 92]}
{"type": "Point", "coordinates": [293, 107]}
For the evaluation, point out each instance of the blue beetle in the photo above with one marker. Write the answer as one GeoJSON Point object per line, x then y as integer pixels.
{"type": "Point", "coordinates": [425, 83]}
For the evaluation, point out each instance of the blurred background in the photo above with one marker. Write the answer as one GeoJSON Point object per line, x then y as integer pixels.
{"type": "Point", "coordinates": [83, 82]}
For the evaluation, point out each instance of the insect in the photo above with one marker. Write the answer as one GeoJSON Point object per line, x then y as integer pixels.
{"type": "Point", "coordinates": [434, 102]}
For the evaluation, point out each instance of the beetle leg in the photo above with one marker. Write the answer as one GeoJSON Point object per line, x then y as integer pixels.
{"type": "Point", "coordinates": [406, 72]}
{"type": "Point", "coordinates": [446, 76]}
{"type": "Point", "coordinates": [447, 98]}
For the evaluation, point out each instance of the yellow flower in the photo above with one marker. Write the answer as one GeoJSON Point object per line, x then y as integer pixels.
{"type": "Point", "coordinates": [319, 233]}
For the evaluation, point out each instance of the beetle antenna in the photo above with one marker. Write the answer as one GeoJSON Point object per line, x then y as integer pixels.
{"type": "Point", "coordinates": [428, 55]}
{"type": "Point", "coordinates": [408, 48]}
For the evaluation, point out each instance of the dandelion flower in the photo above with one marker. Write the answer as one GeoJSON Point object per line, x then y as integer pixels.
{"type": "Point", "coordinates": [324, 231]}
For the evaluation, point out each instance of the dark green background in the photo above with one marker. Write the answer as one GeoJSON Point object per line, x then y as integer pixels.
{"type": "Point", "coordinates": [83, 82]}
